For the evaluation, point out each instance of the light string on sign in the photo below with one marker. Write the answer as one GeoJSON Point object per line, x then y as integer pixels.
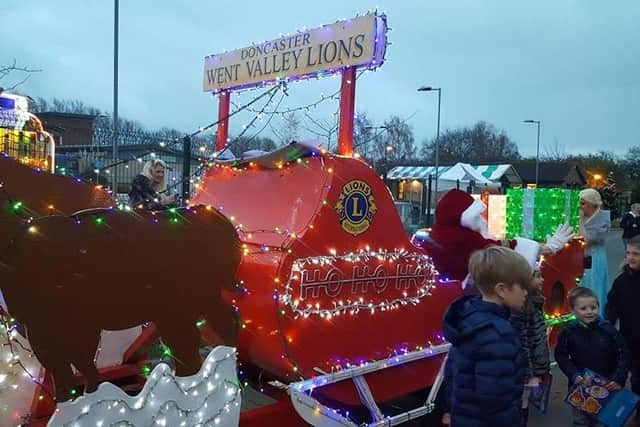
{"type": "Point", "coordinates": [424, 275]}
{"type": "Point", "coordinates": [198, 131]}
{"type": "Point", "coordinates": [307, 107]}
{"type": "Point", "coordinates": [206, 164]}
{"type": "Point", "coordinates": [323, 98]}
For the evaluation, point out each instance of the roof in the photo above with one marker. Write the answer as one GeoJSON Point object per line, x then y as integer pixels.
{"type": "Point", "coordinates": [131, 149]}
{"type": "Point", "coordinates": [457, 172]}
{"type": "Point", "coordinates": [556, 172]}
{"type": "Point", "coordinates": [56, 114]}
{"type": "Point", "coordinates": [497, 172]}
{"type": "Point", "coordinates": [415, 172]}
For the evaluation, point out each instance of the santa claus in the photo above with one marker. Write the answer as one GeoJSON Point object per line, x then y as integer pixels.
{"type": "Point", "coordinates": [460, 229]}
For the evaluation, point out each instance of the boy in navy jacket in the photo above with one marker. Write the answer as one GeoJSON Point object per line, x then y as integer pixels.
{"type": "Point", "coordinates": [486, 369]}
{"type": "Point", "coordinates": [590, 343]}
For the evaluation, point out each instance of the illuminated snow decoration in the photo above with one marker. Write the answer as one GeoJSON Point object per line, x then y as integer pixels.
{"type": "Point", "coordinates": [20, 372]}
{"type": "Point", "coordinates": [209, 398]}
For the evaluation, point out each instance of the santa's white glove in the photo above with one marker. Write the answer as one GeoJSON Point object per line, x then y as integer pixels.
{"type": "Point", "coordinates": [563, 234]}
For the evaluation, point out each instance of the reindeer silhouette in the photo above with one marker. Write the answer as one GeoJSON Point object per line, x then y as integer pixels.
{"type": "Point", "coordinates": [67, 277]}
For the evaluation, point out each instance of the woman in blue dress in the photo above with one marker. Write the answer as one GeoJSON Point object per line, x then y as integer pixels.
{"type": "Point", "coordinates": [594, 226]}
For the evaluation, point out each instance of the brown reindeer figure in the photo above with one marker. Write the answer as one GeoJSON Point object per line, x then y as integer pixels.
{"type": "Point", "coordinates": [67, 277]}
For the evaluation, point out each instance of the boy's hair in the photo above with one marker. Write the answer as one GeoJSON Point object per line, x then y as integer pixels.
{"type": "Point", "coordinates": [634, 241]}
{"type": "Point", "coordinates": [497, 264]}
{"type": "Point", "coordinates": [581, 292]}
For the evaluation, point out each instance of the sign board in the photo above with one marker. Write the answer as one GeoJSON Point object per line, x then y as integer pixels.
{"type": "Point", "coordinates": [359, 42]}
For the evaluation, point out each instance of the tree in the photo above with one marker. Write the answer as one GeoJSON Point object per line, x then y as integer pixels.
{"type": "Point", "coordinates": [609, 193]}
{"type": "Point", "coordinates": [555, 152]}
{"type": "Point", "coordinates": [290, 129]}
{"type": "Point", "coordinates": [597, 167]}
{"type": "Point", "coordinates": [7, 72]}
{"type": "Point", "coordinates": [363, 136]}
{"type": "Point", "coordinates": [397, 144]}
{"type": "Point", "coordinates": [323, 128]}
{"type": "Point", "coordinates": [482, 143]}
{"type": "Point", "coordinates": [631, 164]}
{"type": "Point", "coordinates": [245, 143]}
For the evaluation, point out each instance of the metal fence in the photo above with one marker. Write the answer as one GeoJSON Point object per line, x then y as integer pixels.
{"type": "Point", "coordinates": [94, 163]}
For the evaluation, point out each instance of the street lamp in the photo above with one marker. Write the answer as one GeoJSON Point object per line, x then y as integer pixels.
{"type": "Point", "coordinates": [387, 149]}
{"type": "Point", "coordinates": [537, 122]}
{"type": "Point", "coordinates": [116, 15]}
{"type": "Point", "coordinates": [430, 89]}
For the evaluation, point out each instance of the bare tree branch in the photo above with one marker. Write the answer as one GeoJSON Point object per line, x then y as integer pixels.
{"type": "Point", "coordinates": [555, 152]}
{"type": "Point", "coordinates": [7, 70]}
{"type": "Point", "coordinates": [327, 128]}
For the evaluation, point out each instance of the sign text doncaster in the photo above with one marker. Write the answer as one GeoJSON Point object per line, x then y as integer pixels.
{"type": "Point", "coordinates": [346, 43]}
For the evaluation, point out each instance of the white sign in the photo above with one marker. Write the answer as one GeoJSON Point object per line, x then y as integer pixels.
{"type": "Point", "coordinates": [358, 42]}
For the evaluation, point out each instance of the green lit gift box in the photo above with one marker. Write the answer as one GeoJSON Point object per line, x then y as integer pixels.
{"type": "Point", "coordinates": [536, 213]}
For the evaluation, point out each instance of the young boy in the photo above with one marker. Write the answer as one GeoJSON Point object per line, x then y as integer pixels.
{"type": "Point", "coordinates": [530, 324]}
{"type": "Point", "coordinates": [590, 343]}
{"type": "Point", "coordinates": [623, 304]}
{"type": "Point", "coordinates": [485, 370]}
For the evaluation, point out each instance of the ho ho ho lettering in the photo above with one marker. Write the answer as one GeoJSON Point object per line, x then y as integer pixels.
{"type": "Point", "coordinates": [318, 282]}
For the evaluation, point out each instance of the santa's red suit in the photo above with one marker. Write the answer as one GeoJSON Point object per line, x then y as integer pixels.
{"type": "Point", "coordinates": [459, 229]}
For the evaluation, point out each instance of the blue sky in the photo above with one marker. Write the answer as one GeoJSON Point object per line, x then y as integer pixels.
{"type": "Point", "coordinates": [573, 64]}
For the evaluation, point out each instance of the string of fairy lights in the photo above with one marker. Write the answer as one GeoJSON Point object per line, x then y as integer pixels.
{"type": "Point", "coordinates": [200, 130]}
{"type": "Point", "coordinates": [423, 278]}
{"type": "Point", "coordinates": [114, 409]}
{"type": "Point", "coordinates": [333, 96]}
{"type": "Point", "coordinates": [245, 129]}
{"type": "Point", "coordinates": [9, 328]}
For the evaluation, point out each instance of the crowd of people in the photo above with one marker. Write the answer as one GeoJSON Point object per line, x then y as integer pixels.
{"type": "Point", "coordinates": [500, 353]}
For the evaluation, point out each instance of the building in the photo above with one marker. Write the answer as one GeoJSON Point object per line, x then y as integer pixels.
{"type": "Point", "coordinates": [69, 128]}
{"type": "Point", "coordinates": [551, 174]}
{"type": "Point", "coordinates": [85, 150]}
{"type": "Point", "coordinates": [504, 174]}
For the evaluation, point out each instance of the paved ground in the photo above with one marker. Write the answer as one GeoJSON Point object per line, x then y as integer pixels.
{"type": "Point", "coordinates": [559, 414]}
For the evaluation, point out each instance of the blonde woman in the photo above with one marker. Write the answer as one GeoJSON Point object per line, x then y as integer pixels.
{"type": "Point", "coordinates": [149, 189]}
{"type": "Point", "coordinates": [595, 223]}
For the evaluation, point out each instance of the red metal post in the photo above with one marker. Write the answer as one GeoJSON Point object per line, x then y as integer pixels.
{"type": "Point", "coordinates": [223, 120]}
{"type": "Point", "coordinates": [347, 111]}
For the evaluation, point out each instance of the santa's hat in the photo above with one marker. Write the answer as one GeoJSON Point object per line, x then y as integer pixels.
{"type": "Point", "coordinates": [458, 208]}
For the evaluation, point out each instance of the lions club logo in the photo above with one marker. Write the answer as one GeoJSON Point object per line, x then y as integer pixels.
{"type": "Point", "coordinates": [356, 207]}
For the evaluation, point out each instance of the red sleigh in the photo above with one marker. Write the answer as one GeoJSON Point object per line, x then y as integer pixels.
{"type": "Point", "coordinates": [333, 299]}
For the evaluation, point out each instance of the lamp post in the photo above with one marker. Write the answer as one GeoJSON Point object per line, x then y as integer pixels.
{"type": "Point", "coordinates": [537, 122]}
{"type": "Point", "coordinates": [387, 149]}
{"type": "Point", "coordinates": [430, 89]}
{"type": "Point", "coordinates": [116, 14]}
